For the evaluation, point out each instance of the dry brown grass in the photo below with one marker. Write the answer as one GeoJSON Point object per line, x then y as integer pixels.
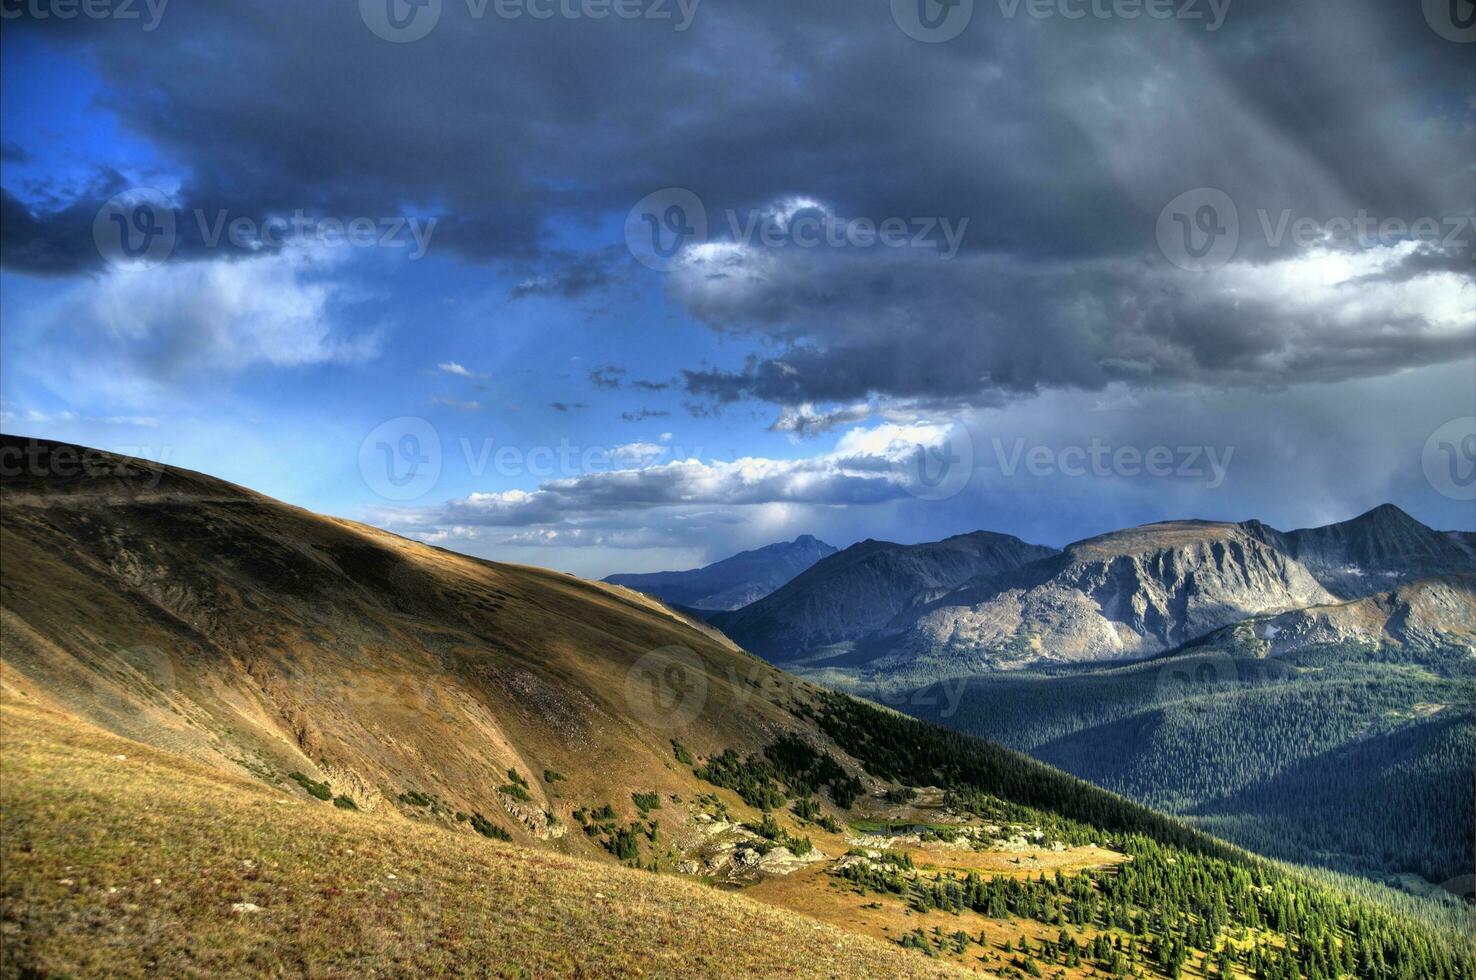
{"type": "Point", "coordinates": [815, 892]}
{"type": "Point", "coordinates": [123, 860]}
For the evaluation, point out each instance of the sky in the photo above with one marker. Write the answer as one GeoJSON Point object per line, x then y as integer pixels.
{"type": "Point", "coordinates": [624, 285]}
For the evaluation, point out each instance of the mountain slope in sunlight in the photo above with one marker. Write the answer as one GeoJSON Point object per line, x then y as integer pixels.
{"type": "Point", "coordinates": [240, 735]}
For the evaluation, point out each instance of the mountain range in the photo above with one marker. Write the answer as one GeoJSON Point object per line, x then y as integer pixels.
{"type": "Point", "coordinates": [241, 733]}
{"type": "Point", "coordinates": [733, 582]}
{"type": "Point", "coordinates": [1305, 693]}
{"type": "Point", "coordinates": [990, 601]}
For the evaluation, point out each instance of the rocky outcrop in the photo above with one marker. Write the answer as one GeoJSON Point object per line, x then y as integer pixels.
{"type": "Point", "coordinates": [1128, 594]}
{"type": "Point", "coordinates": [538, 822]}
{"type": "Point", "coordinates": [720, 848]}
{"type": "Point", "coordinates": [1427, 615]}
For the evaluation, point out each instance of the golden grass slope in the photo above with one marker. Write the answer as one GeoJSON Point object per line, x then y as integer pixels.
{"type": "Point", "coordinates": [261, 639]}
{"type": "Point", "coordinates": [175, 651]}
{"type": "Point", "coordinates": [123, 860]}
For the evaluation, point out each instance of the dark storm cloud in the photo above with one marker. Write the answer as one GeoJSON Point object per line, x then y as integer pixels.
{"type": "Point", "coordinates": [59, 245]}
{"type": "Point", "coordinates": [980, 328]}
{"type": "Point", "coordinates": [57, 241]}
{"type": "Point", "coordinates": [498, 124]}
{"type": "Point", "coordinates": [1059, 141]}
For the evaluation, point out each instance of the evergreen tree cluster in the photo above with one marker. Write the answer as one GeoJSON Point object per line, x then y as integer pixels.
{"type": "Point", "coordinates": [1179, 894]}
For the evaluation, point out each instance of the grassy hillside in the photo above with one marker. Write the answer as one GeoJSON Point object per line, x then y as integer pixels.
{"type": "Point", "coordinates": [213, 701]}
{"type": "Point", "coordinates": [267, 641]}
{"type": "Point", "coordinates": [123, 860]}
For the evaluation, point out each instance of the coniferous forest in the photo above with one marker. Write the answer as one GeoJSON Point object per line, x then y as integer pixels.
{"type": "Point", "coordinates": [1350, 758]}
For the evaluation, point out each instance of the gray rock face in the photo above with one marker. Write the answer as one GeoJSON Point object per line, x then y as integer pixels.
{"type": "Point", "coordinates": [860, 590]}
{"type": "Point", "coordinates": [1125, 595]}
{"type": "Point", "coordinates": [1424, 615]}
{"type": "Point", "coordinates": [733, 582]}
